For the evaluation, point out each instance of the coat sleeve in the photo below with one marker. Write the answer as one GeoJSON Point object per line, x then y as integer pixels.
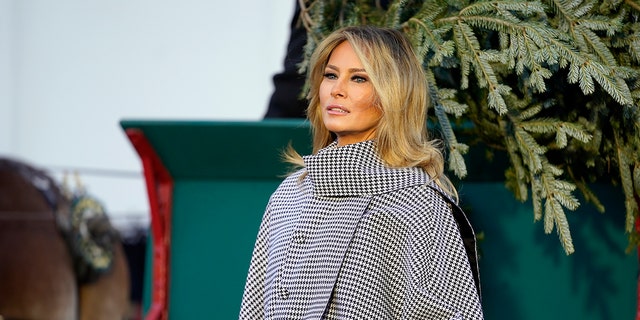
{"type": "Point", "coordinates": [443, 272]}
{"type": "Point", "coordinates": [253, 299]}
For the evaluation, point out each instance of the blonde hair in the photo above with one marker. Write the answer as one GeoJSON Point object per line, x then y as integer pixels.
{"type": "Point", "coordinates": [402, 95]}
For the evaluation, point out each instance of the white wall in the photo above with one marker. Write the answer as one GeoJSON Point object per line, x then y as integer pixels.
{"type": "Point", "coordinates": [72, 69]}
{"type": "Point", "coordinates": [6, 75]}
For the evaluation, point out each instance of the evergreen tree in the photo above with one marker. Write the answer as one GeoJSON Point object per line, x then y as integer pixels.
{"type": "Point", "coordinates": [554, 84]}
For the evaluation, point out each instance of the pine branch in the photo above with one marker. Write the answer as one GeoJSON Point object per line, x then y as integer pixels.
{"type": "Point", "coordinates": [632, 4]}
{"type": "Point", "coordinates": [624, 165]}
{"type": "Point", "coordinates": [450, 105]}
{"type": "Point", "coordinates": [455, 148]}
{"type": "Point", "coordinates": [560, 128]}
{"type": "Point", "coordinates": [593, 44]}
{"type": "Point", "coordinates": [470, 54]}
{"type": "Point", "coordinates": [429, 40]}
{"type": "Point", "coordinates": [588, 194]}
{"type": "Point", "coordinates": [517, 179]}
{"type": "Point", "coordinates": [556, 84]}
{"type": "Point", "coordinates": [394, 13]}
{"type": "Point", "coordinates": [530, 150]}
{"type": "Point", "coordinates": [557, 194]}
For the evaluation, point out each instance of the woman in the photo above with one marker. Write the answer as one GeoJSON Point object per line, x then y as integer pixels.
{"type": "Point", "coordinates": [366, 229]}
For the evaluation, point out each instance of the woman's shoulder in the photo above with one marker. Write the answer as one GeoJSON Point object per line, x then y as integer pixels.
{"type": "Point", "coordinates": [292, 182]}
{"type": "Point", "coordinates": [295, 176]}
{"type": "Point", "coordinates": [418, 198]}
{"type": "Point", "coordinates": [293, 189]}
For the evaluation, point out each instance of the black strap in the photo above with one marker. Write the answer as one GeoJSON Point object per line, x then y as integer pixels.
{"type": "Point", "coordinates": [468, 236]}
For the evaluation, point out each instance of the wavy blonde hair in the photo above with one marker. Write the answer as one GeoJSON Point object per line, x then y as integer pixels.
{"type": "Point", "coordinates": [402, 94]}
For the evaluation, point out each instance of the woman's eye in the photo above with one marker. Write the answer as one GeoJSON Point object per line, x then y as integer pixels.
{"type": "Point", "coordinates": [359, 79]}
{"type": "Point", "coordinates": [330, 75]}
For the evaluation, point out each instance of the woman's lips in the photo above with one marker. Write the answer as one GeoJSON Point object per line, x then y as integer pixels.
{"type": "Point", "coordinates": [336, 109]}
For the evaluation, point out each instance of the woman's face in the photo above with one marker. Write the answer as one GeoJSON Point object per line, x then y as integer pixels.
{"type": "Point", "coordinates": [347, 97]}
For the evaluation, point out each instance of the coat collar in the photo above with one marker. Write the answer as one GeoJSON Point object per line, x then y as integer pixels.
{"type": "Point", "coordinates": [357, 170]}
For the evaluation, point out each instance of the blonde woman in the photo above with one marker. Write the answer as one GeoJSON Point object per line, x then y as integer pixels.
{"type": "Point", "coordinates": [368, 227]}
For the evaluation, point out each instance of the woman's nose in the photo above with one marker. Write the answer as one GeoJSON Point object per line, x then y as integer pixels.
{"type": "Point", "coordinates": [338, 89]}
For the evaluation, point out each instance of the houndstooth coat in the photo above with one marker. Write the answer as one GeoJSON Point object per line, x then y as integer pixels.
{"type": "Point", "coordinates": [355, 239]}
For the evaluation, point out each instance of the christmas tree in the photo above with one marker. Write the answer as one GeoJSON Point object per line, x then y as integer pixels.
{"type": "Point", "coordinates": [553, 84]}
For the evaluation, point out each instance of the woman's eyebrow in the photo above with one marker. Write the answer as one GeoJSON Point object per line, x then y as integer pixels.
{"type": "Point", "coordinates": [351, 70]}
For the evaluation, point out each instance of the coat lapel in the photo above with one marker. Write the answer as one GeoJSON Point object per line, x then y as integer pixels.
{"type": "Point", "coordinates": [317, 250]}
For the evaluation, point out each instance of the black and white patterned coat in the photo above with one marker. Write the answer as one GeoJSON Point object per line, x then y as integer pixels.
{"type": "Point", "coordinates": [355, 239]}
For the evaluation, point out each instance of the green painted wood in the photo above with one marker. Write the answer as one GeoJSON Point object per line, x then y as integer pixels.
{"type": "Point", "coordinates": [225, 171]}
{"type": "Point", "coordinates": [214, 229]}
{"type": "Point", "coordinates": [223, 175]}
{"type": "Point", "coordinates": [223, 150]}
{"type": "Point", "coordinates": [525, 273]}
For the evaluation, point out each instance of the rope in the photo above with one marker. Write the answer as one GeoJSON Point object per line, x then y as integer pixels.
{"type": "Point", "coordinates": [96, 171]}
{"type": "Point", "coordinates": [47, 215]}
